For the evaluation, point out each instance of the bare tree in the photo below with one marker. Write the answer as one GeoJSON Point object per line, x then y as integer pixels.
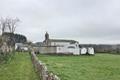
{"type": "Point", "coordinates": [8, 23]}
{"type": "Point", "coordinates": [2, 25]}
{"type": "Point", "coordinates": [12, 23]}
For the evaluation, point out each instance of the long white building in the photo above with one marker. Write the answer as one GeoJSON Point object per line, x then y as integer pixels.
{"type": "Point", "coordinates": [60, 46]}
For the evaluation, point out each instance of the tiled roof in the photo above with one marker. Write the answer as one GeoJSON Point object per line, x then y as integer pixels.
{"type": "Point", "coordinates": [62, 40]}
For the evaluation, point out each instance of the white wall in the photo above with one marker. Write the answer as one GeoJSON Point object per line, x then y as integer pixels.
{"type": "Point", "coordinates": [74, 48]}
{"type": "Point", "coordinates": [61, 50]}
{"type": "Point", "coordinates": [69, 49]}
{"type": "Point", "coordinates": [59, 43]}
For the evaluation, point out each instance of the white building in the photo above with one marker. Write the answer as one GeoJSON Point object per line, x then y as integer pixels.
{"type": "Point", "coordinates": [62, 46]}
{"type": "Point", "coordinates": [21, 47]}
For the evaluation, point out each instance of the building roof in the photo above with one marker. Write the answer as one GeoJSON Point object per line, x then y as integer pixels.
{"type": "Point", "coordinates": [38, 44]}
{"type": "Point", "coordinates": [21, 45]}
{"type": "Point", "coordinates": [62, 40]}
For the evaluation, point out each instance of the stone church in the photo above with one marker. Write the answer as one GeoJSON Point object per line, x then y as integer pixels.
{"type": "Point", "coordinates": [61, 46]}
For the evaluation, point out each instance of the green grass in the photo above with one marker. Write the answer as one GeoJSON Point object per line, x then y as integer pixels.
{"type": "Point", "coordinates": [19, 68]}
{"type": "Point", "coordinates": [98, 67]}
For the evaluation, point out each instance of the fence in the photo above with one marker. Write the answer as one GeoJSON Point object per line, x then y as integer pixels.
{"type": "Point", "coordinates": [42, 69]}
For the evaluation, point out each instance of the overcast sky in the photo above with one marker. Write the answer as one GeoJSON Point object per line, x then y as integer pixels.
{"type": "Point", "coordinates": [87, 21]}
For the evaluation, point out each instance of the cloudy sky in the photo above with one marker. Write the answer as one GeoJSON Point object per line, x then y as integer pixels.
{"type": "Point", "coordinates": [87, 21]}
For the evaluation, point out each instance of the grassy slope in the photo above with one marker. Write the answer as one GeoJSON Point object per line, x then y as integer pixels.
{"type": "Point", "coordinates": [19, 68]}
{"type": "Point", "coordinates": [98, 67]}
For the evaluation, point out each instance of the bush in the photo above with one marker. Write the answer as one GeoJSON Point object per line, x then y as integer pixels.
{"type": "Point", "coordinates": [5, 57]}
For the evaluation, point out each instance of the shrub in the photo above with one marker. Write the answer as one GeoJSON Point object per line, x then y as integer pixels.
{"type": "Point", "coordinates": [5, 57]}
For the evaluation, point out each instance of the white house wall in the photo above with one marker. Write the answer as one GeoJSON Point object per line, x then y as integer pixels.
{"type": "Point", "coordinates": [59, 43]}
{"type": "Point", "coordinates": [69, 49]}
{"type": "Point", "coordinates": [75, 50]}
{"type": "Point", "coordinates": [61, 50]}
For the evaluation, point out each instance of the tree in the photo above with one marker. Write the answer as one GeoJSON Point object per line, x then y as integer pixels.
{"type": "Point", "coordinates": [8, 24]}
{"type": "Point", "coordinates": [2, 25]}
{"type": "Point", "coordinates": [12, 38]}
{"type": "Point", "coordinates": [12, 23]}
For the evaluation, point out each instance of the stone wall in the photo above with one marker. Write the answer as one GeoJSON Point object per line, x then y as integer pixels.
{"type": "Point", "coordinates": [45, 49]}
{"type": "Point", "coordinates": [41, 69]}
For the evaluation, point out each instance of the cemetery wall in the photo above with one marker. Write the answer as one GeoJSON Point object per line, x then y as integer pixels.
{"type": "Point", "coordinates": [46, 49]}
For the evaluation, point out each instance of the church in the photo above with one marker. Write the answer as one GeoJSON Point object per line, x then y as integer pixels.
{"type": "Point", "coordinates": [60, 46]}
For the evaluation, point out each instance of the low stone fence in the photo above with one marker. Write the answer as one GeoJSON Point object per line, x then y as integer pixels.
{"type": "Point", "coordinates": [41, 69]}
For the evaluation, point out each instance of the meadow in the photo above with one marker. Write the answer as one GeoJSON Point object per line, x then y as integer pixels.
{"type": "Point", "coordinates": [98, 67]}
{"type": "Point", "coordinates": [18, 68]}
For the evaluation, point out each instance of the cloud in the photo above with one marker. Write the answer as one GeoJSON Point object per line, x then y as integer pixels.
{"type": "Point", "coordinates": [88, 21]}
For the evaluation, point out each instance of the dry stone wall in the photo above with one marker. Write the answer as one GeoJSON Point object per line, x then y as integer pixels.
{"type": "Point", "coordinates": [42, 70]}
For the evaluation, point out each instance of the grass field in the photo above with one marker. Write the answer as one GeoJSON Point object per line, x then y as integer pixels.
{"type": "Point", "coordinates": [98, 67]}
{"type": "Point", "coordinates": [19, 68]}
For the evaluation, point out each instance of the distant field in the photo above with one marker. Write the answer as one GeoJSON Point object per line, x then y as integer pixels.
{"type": "Point", "coordinates": [98, 67]}
{"type": "Point", "coordinates": [19, 68]}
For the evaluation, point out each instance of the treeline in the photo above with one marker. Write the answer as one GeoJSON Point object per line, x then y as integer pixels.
{"type": "Point", "coordinates": [8, 38]}
{"type": "Point", "coordinates": [103, 48]}
{"type": "Point", "coordinates": [12, 38]}
{"type": "Point", "coordinates": [7, 43]}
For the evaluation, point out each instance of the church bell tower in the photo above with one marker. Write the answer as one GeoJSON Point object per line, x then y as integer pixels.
{"type": "Point", "coordinates": [46, 36]}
